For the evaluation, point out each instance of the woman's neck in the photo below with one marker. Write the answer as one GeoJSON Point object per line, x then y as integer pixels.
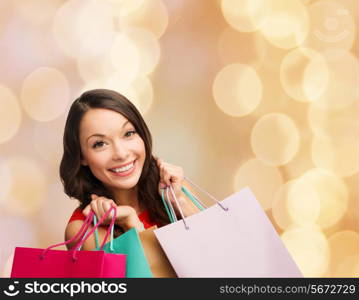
{"type": "Point", "coordinates": [127, 197]}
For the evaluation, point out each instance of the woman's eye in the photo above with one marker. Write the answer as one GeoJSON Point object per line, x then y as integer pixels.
{"type": "Point", "coordinates": [98, 144]}
{"type": "Point", "coordinates": [130, 133]}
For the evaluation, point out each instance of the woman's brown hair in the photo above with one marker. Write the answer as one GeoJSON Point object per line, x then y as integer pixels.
{"type": "Point", "coordinates": [78, 180]}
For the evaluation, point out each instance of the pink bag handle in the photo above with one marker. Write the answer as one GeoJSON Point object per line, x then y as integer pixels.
{"type": "Point", "coordinates": [86, 224]}
{"type": "Point", "coordinates": [81, 242]}
{"type": "Point", "coordinates": [81, 232]}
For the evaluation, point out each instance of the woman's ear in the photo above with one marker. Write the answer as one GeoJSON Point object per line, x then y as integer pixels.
{"type": "Point", "coordinates": [84, 162]}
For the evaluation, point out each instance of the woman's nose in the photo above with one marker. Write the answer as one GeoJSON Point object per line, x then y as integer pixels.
{"type": "Point", "coordinates": [120, 151]}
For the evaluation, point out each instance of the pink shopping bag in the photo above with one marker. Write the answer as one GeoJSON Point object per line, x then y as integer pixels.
{"type": "Point", "coordinates": [231, 239]}
{"type": "Point", "coordinates": [47, 263]}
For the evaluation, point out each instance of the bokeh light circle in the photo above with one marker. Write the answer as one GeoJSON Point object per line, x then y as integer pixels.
{"type": "Point", "coordinates": [336, 155]}
{"type": "Point", "coordinates": [245, 15]}
{"type": "Point", "coordinates": [125, 57]}
{"type": "Point", "coordinates": [84, 28]}
{"type": "Point", "coordinates": [303, 203]}
{"type": "Point", "coordinates": [237, 90]}
{"type": "Point", "coordinates": [287, 23]}
{"type": "Point", "coordinates": [28, 187]}
{"type": "Point", "coordinates": [335, 124]}
{"type": "Point", "coordinates": [263, 180]}
{"type": "Point", "coordinates": [94, 28]}
{"type": "Point", "coordinates": [93, 68]}
{"type": "Point", "coordinates": [275, 139]}
{"type": "Point", "coordinates": [296, 203]}
{"type": "Point", "coordinates": [148, 48]}
{"type": "Point", "coordinates": [332, 192]}
{"type": "Point", "coordinates": [152, 15]}
{"type": "Point", "coordinates": [11, 114]}
{"type": "Point", "coordinates": [349, 267]}
{"type": "Point", "coordinates": [342, 89]}
{"type": "Point", "coordinates": [123, 8]}
{"type": "Point", "coordinates": [343, 244]}
{"type": "Point", "coordinates": [309, 248]}
{"type": "Point", "coordinates": [139, 91]}
{"type": "Point", "coordinates": [64, 27]}
{"type": "Point", "coordinates": [280, 206]}
{"type": "Point", "coordinates": [304, 74]}
{"type": "Point", "coordinates": [45, 94]}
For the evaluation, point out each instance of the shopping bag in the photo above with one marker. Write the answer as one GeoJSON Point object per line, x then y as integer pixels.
{"type": "Point", "coordinates": [157, 259]}
{"type": "Point", "coordinates": [130, 244]}
{"type": "Point", "coordinates": [234, 238]}
{"type": "Point", "coordinates": [47, 263]}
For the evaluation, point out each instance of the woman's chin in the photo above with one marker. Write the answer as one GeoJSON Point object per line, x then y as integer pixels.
{"type": "Point", "coordinates": [127, 185]}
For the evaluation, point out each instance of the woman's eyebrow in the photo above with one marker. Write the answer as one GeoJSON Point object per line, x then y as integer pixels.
{"type": "Point", "coordinates": [102, 135]}
{"type": "Point", "coordinates": [96, 134]}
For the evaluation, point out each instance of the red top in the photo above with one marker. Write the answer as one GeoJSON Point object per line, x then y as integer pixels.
{"type": "Point", "coordinates": [143, 216]}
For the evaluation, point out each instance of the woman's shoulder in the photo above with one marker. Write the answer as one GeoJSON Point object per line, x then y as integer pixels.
{"type": "Point", "coordinates": [77, 215]}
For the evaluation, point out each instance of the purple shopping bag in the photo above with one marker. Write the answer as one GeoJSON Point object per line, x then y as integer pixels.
{"type": "Point", "coordinates": [231, 239]}
{"type": "Point", "coordinates": [47, 263]}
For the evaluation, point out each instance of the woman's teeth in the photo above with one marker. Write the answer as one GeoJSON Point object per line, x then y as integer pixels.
{"type": "Point", "coordinates": [123, 169]}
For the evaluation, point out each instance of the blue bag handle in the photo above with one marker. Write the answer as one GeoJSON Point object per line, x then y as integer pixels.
{"type": "Point", "coordinates": [169, 208]}
{"type": "Point", "coordinates": [111, 236]}
{"type": "Point", "coordinates": [97, 237]}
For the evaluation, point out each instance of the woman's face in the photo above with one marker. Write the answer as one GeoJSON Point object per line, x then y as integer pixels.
{"type": "Point", "coordinates": [111, 148]}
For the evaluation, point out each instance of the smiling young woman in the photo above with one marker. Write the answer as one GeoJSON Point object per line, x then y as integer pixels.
{"type": "Point", "coordinates": [108, 161]}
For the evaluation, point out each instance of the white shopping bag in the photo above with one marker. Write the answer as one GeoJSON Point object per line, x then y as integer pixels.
{"type": "Point", "coordinates": [238, 242]}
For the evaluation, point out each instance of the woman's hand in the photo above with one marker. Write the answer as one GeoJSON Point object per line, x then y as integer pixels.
{"type": "Point", "coordinates": [171, 175]}
{"type": "Point", "coordinates": [174, 175]}
{"type": "Point", "coordinates": [126, 216]}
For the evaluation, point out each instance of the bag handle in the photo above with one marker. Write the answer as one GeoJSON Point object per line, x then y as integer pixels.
{"type": "Point", "coordinates": [97, 238]}
{"type": "Point", "coordinates": [193, 198]}
{"type": "Point", "coordinates": [83, 229]}
{"type": "Point", "coordinates": [169, 212]}
{"type": "Point", "coordinates": [104, 217]}
{"type": "Point", "coordinates": [172, 210]}
{"type": "Point", "coordinates": [205, 192]}
{"type": "Point", "coordinates": [169, 208]}
{"type": "Point", "coordinates": [178, 206]}
{"type": "Point", "coordinates": [82, 232]}
{"type": "Point", "coordinates": [198, 203]}
{"type": "Point", "coordinates": [168, 205]}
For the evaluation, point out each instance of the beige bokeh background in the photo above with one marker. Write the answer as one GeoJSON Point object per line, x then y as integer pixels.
{"type": "Point", "coordinates": [259, 93]}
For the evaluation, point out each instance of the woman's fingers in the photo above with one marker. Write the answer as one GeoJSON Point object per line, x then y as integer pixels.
{"type": "Point", "coordinates": [159, 161]}
{"type": "Point", "coordinates": [170, 175]}
{"type": "Point", "coordinates": [100, 205]}
{"type": "Point", "coordinates": [86, 210]}
{"type": "Point", "coordinates": [162, 183]}
{"type": "Point", "coordinates": [124, 211]}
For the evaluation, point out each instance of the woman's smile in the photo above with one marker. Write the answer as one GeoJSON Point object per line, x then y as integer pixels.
{"type": "Point", "coordinates": [124, 170]}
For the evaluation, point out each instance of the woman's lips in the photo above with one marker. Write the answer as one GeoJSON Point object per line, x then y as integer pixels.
{"type": "Point", "coordinates": [125, 173]}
